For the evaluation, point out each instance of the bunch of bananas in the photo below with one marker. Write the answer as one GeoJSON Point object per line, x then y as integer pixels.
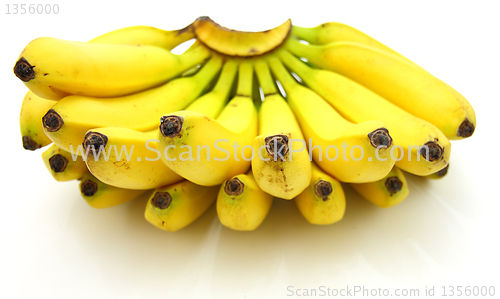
{"type": "Point", "coordinates": [240, 118]}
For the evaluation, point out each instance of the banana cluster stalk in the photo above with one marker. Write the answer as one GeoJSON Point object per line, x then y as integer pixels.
{"type": "Point", "coordinates": [240, 119]}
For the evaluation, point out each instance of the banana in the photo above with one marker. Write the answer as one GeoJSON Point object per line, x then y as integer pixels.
{"type": "Point", "coordinates": [204, 150]}
{"type": "Point", "coordinates": [99, 195]}
{"type": "Point", "coordinates": [62, 165]}
{"type": "Point", "coordinates": [439, 174]}
{"type": "Point", "coordinates": [241, 204]}
{"type": "Point", "coordinates": [212, 103]}
{"type": "Point", "coordinates": [282, 167]}
{"type": "Point", "coordinates": [146, 35]}
{"type": "Point", "coordinates": [239, 43]}
{"type": "Point", "coordinates": [68, 121]}
{"type": "Point", "coordinates": [129, 158]}
{"type": "Point", "coordinates": [323, 201]}
{"type": "Point", "coordinates": [386, 192]}
{"type": "Point", "coordinates": [422, 148]}
{"type": "Point", "coordinates": [176, 206]}
{"type": "Point", "coordinates": [328, 132]}
{"type": "Point", "coordinates": [402, 83]}
{"type": "Point", "coordinates": [330, 32]}
{"type": "Point", "coordinates": [54, 68]}
{"type": "Point", "coordinates": [30, 121]}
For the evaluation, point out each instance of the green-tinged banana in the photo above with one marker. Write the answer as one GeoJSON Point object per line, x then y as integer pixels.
{"type": "Point", "coordinates": [68, 121]}
{"type": "Point", "coordinates": [62, 165]}
{"type": "Point", "coordinates": [439, 174]}
{"type": "Point", "coordinates": [330, 32]}
{"type": "Point", "coordinates": [212, 103]}
{"type": "Point", "coordinates": [239, 43]}
{"type": "Point", "coordinates": [33, 109]}
{"type": "Point", "coordinates": [422, 148]}
{"type": "Point", "coordinates": [401, 82]}
{"type": "Point", "coordinates": [349, 152]}
{"type": "Point", "coordinates": [208, 151]}
{"type": "Point", "coordinates": [54, 68]}
{"type": "Point", "coordinates": [323, 201]}
{"type": "Point", "coordinates": [100, 195]}
{"type": "Point", "coordinates": [281, 167]}
{"type": "Point", "coordinates": [241, 204]}
{"type": "Point", "coordinates": [386, 192]}
{"type": "Point", "coordinates": [126, 158]}
{"type": "Point", "coordinates": [146, 35]}
{"type": "Point", "coordinates": [176, 206]}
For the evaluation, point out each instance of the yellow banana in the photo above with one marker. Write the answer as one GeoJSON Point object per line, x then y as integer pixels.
{"type": "Point", "coordinates": [99, 195]}
{"type": "Point", "coordinates": [129, 158]}
{"type": "Point", "coordinates": [422, 148]}
{"type": "Point", "coordinates": [62, 165]}
{"type": "Point", "coordinates": [32, 110]}
{"type": "Point", "coordinates": [208, 151]}
{"type": "Point", "coordinates": [402, 83]}
{"type": "Point", "coordinates": [239, 43]}
{"type": "Point", "coordinates": [282, 167]}
{"type": "Point", "coordinates": [146, 35]}
{"type": "Point", "coordinates": [241, 204]}
{"type": "Point", "coordinates": [68, 121]}
{"type": "Point", "coordinates": [54, 68]}
{"type": "Point", "coordinates": [386, 192]}
{"type": "Point", "coordinates": [212, 103]}
{"type": "Point", "coordinates": [369, 142]}
{"type": "Point", "coordinates": [176, 206]}
{"type": "Point", "coordinates": [323, 201]}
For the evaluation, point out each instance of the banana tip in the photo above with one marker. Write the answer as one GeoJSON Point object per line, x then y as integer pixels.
{"type": "Point", "coordinates": [466, 129]}
{"type": "Point", "coordinates": [161, 200]}
{"type": "Point", "coordinates": [171, 126]}
{"type": "Point", "coordinates": [24, 70]}
{"type": "Point", "coordinates": [52, 121]}
{"type": "Point", "coordinates": [234, 187]}
{"type": "Point", "coordinates": [58, 163]}
{"type": "Point", "coordinates": [88, 188]}
{"type": "Point", "coordinates": [323, 189]}
{"type": "Point", "coordinates": [393, 185]}
{"type": "Point", "coordinates": [30, 144]}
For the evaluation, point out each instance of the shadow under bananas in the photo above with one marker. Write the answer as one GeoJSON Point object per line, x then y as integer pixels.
{"type": "Point", "coordinates": [419, 234]}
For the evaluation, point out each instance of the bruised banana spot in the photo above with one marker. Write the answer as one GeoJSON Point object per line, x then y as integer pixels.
{"type": "Point", "coordinates": [277, 146]}
{"type": "Point", "coordinates": [323, 189]}
{"type": "Point", "coordinates": [161, 200]}
{"type": "Point", "coordinates": [24, 70]}
{"type": "Point", "coordinates": [435, 151]}
{"type": "Point", "coordinates": [466, 129]}
{"type": "Point", "coordinates": [52, 121]}
{"type": "Point", "coordinates": [393, 184]}
{"type": "Point", "coordinates": [171, 126]}
{"type": "Point", "coordinates": [30, 144]}
{"type": "Point", "coordinates": [94, 141]}
{"type": "Point", "coordinates": [234, 187]}
{"type": "Point", "coordinates": [380, 137]}
{"type": "Point", "coordinates": [58, 163]}
{"type": "Point", "coordinates": [88, 188]}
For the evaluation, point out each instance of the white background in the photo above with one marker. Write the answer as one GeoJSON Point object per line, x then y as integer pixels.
{"type": "Point", "coordinates": [444, 234]}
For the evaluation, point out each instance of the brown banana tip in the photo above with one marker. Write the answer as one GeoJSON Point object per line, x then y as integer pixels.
{"type": "Point", "coordinates": [171, 125]}
{"type": "Point", "coordinates": [161, 200]}
{"type": "Point", "coordinates": [58, 163]}
{"type": "Point", "coordinates": [380, 137]}
{"type": "Point", "coordinates": [94, 141]}
{"type": "Point", "coordinates": [277, 145]}
{"type": "Point", "coordinates": [52, 121]}
{"type": "Point", "coordinates": [88, 188]}
{"type": "Point", "coordinates": [466, 129]}
{"type": "Point", "coordinates": [323, 189]}
{"type": "Point", "coordinates": [442, 172]}
{"type": "Point", "coordinates": [234, 187]}
{"type": "Point", "coordinates": [24, 70]}
{"type": "Point", "coordinates": [393, 184]}
{"type": "Point", "coordinates": [434, 152]}
{"type": "Point", "coordinates": [30, 144]}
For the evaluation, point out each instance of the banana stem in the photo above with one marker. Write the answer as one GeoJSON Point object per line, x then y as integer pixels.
{"type": "Point", "coordinates": [210, 69]}
{"type": "Point", "coordinates": [196, 53]}
{"type": "Point", "coordinates": [266, 81]}
{"type": "Point", "coordinates": [245, 80]}
{"type": "Point", "coordinates": [226, 79]}
{"type": "Point", "coordinates": [282, 73]}
{"type": "Point", "coordinates": [307, 34]}
{"type": "Point", "coordinates": [302, 50]}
